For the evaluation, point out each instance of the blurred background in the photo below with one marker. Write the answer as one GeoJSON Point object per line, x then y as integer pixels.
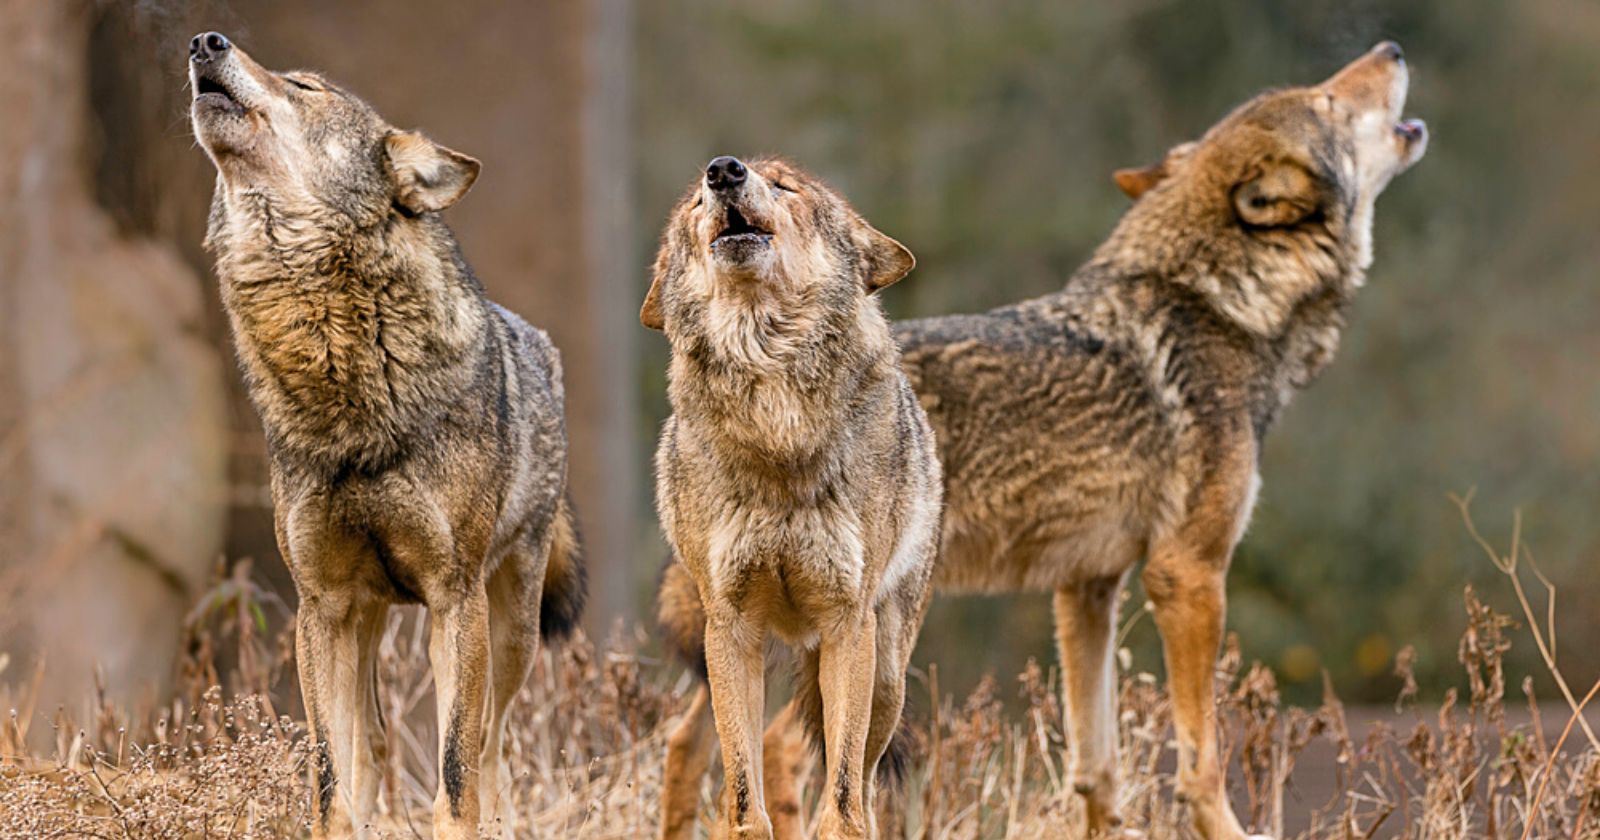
{"type": "Point", "coordinates": [982, 135]}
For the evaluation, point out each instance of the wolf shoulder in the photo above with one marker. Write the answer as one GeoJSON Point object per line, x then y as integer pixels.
{"type": "Point", "coordinates": [536, 360]}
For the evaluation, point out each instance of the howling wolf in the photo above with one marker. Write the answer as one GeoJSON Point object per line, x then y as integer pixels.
{"type": "Point", "coordinates": [796, 478]}
{"type": "Point", "coordinates": [414, 429]}
{"type": "Point", "coordinates": [1121, 418]}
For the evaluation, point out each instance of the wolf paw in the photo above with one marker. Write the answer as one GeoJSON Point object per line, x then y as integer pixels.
{"type": "Point", "coordinates": [1099, 792]}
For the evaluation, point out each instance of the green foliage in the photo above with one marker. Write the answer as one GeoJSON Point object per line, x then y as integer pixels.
{"type": "Point", "coordinates": [983, 136]}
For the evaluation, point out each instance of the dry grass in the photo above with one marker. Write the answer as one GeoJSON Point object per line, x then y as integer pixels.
{"type": "Point", "coordinates": [588, 736]}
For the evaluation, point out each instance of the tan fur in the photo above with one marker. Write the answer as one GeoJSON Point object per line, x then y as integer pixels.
{"type": "Point", "coordinates": [797, 484]}
{"type": "Point", "coordinates": [1122, 417]}
{"type": "Point", "coordinates": [414, 429]}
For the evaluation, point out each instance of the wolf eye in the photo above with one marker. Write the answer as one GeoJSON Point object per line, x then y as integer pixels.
{"type": "Point", "coordinates": [779, 185]}
{"type": "Point", "coordinates": [299, 84]}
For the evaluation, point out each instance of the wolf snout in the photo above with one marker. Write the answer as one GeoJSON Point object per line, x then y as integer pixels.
{"type": "Point", "coordinates": [1391, 51]}
{"type": "Point", "coordinates": [208, 46]}
{"type": "Point", "coordinates": [725, 173]}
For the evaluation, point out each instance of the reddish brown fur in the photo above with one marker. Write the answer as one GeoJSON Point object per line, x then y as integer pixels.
{"type": "Point", "coordinates": [1122, 417]}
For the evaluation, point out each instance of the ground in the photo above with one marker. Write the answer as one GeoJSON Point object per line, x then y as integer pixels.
{"type": "Point", "coordinates": [589, 735]}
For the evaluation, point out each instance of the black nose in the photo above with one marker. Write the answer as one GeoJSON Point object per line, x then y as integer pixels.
{"type": "Point", "coordinates": [207, 46]}
{"type": "Point", "coordinates": [724, 173]}
{"type": "Point", "coordinates": [1390, 50]}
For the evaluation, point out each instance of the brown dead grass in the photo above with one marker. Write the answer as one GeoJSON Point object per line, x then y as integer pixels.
{"type": "Point", "coordinates": [588, 735]}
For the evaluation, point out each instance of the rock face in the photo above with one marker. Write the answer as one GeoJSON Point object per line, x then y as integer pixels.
{"type": "Point", "coordinates": [112, 399]}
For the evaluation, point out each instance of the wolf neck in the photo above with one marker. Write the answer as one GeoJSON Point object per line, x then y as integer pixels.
{"type": "Point", "coordinates": [1282, 292]}
{"type": "Point", "coordinates": [779, 391]}
{"type": "Point", "coordinates": [352, 335]}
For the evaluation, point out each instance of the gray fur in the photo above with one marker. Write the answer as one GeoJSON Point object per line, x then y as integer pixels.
{"type": "Point", "coordinates": [414, 429]}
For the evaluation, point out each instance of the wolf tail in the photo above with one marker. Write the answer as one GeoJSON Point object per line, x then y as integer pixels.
{"type": "Point", "coordinates": [566, 580]}
{"type": "Point", "coordinates": [682, 617]}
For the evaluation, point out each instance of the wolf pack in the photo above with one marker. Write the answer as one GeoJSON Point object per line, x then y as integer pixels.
{"type": "Point", "coordinates": [824, 470]}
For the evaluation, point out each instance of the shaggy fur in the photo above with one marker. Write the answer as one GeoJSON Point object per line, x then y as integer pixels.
{"type": "Point", "coordinates": [1122, 417]}
{"type": "Point", "coordinates": [796, 481]}
{"type": "Point", "coordinates": [414, 429]}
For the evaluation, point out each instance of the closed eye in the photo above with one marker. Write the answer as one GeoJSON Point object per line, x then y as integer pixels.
{"type": "Point", "coordinates": [299, 84]}
{"type": "Point", "coordinates": [785, 187]}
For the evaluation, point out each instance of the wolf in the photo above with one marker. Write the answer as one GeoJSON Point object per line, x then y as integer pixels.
{"type": "Point", "coordinates": [796, 478]}
{"type": "Point", "coordinates": [414, 429]}
{"type": "Point", "coordinates": [1122, 417]}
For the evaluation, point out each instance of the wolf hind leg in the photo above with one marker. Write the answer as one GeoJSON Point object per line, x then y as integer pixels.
{"type": "Point", "coordinates": [515, 593]}
{"type": "Point", "coordinates": [1086, 618]}
{"type": "Point", "coordinates": [786, 762]}
{"type": "Point", "coordinates": [690, 748]}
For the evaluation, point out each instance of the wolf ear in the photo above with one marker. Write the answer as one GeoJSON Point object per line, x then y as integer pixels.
{"type": "Point", "coordinates": [884, 260]}
{"type": "Point", "coordinates": [1276, 194]}
{"type": "Point", "coordinates": [1137, 182]}
{"type": "Point", "coordinates": [650, 313]}
{"type": "Point", "coordinates": [427, 176]}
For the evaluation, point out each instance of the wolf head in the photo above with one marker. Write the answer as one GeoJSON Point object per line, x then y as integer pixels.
{"type": "Point", "coordinates": [295, 137]}
{"type": "Point", "coordinates": [1306, 155]}
{"type": "Point", "coordinates": [765, 233]}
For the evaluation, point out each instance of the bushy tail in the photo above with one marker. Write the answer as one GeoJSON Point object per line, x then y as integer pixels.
{"type": "Point", "coordinates": [903, 748]}
{"type": "Point", "coordinates": [682, 617]}
{"type": "Point", "coordinates": [566, 580]}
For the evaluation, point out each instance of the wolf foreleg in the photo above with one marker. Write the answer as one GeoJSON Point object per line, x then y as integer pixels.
{"type": "Point", "coordinates": [847, 666]}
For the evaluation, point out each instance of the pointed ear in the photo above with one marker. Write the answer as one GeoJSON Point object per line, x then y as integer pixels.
{"type": "Point", "coordinates": [650, 313]}
{"type": "Point", "coordinates": [1275, 193]}
{"type": "Point", "coordinates": [427, 176]}
{"type": "Point", "coordinates": [884, 260]}
{"type": "Point", "coordinates": [1137, 182]}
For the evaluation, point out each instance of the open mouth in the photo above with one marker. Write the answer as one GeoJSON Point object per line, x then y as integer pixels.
{"type": "Point", "coordinates": [738, 228]}
{"type": "Point", "coordinates": [210, 89]}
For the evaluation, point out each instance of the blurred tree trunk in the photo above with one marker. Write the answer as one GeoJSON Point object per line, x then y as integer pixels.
{"type": "Point", "coordinates": [604, 409]}
{"type": "Point", "coordinates": [15, 35]}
